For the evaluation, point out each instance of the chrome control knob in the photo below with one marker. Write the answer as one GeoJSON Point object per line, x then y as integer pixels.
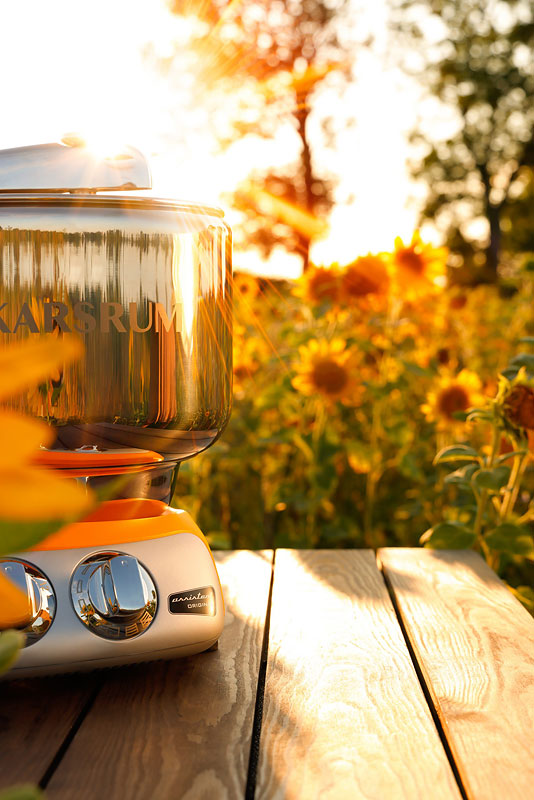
{"type": "Point", "coordinates": [37, 615]}
{"type": "Point", "coordinates": [113, 594]}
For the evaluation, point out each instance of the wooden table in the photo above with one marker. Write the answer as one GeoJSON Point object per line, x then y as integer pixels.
{"type": "Point", "coordinates": [339, 675]}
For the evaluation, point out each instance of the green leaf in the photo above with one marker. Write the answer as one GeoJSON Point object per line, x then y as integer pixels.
{"type": "Point", "coordinates": [511, 454]}
{"type": "Point", "coordinates": [480, 414]}
{"type": "Point", "coordinates": [26, 792]}
{"type": "Point", "coordinates": [462, 476]}
{"type": "Point", "coordinates": [219, 540]}
{"type": "Point", "coordinates": [513, 539]}
{"type": "Point", "coordinates": [492, 479]}
{"type": "Point", "coordinates": [523, 360]}
{"type": "Point", "coordinates": [415, 369]}
{"type": "Point", "coordinates": [15, 535]}
{"type": "Point", "coordinates": [526, 340]}
{"type": "Point", "coordinates": [525, 595]}
{"type": "Point", "coordinates": [449, 536]}
{"type": "Point", "coordinates": [110, 489]}
{"type": "Point", "coordinates": [457, 452]}
{"type": "Point", "coordinates": [10, 644]}
{"type": "Point", "coordinates": [410, 468]}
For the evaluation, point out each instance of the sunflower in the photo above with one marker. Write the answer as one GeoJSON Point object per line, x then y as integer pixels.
{"type": "Point", "coordinates": [328, 369]}
{"type": "Point", "coordinates": [364, 278]}
{"type": "Point", "coordinates": [318, 284]}
{"type": "Point", "coordinates": [418, 266]}
{"type": "Point", "coordinates": [246, 285]}
{"type": "Point", "coordinates": [515, 398]}
{"type": "Point", "coordinates": [30, 495]}
{"type": "Point", "coordinates": [452, 393]}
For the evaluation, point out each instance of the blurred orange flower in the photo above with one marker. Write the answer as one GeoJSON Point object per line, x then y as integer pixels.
{"type": "Point", "coordinates": [452, 393]}
{"type": "Point", "coordinates": [28, 492]}
{"type": "Point", "coordinates": [318, 284]}
{"type": "Point", "coordinates": [365, 277]}
{"type": "Point", "coordinates": [328, 369]}
{"type": "Point", "coordinates": [418, 266]}
{"type": "Point", "coordinates": [246, 285]}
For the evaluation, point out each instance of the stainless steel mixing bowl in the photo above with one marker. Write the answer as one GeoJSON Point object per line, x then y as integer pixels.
{"type": "Point", "coordinates": [146, 283]}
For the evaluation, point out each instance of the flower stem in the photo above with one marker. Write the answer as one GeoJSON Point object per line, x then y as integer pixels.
{"type": "Point", "coordinates": [483, 498]}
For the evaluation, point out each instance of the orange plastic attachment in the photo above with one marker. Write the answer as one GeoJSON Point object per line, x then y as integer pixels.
{"type": "Point", "coordinates": [122, 521]}
{"type": "Point", "coordinates": [92, 463]}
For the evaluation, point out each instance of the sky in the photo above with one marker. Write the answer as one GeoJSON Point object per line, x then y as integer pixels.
{"type": "Point", "coordinates": [93, 68]}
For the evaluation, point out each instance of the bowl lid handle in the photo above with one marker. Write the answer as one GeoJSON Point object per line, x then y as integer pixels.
{"type": "Point", "coordinates": [72, 166]}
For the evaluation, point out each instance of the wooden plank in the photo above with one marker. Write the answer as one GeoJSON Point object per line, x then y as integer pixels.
{"type": "Point", "coordinates": [35, 717]}
{"type": "Point", "coordinates": [475, 644]}
{"type": "Point", "coordinates": [181, 728]}
{"type": "Point", "coordinates": [344, 713]}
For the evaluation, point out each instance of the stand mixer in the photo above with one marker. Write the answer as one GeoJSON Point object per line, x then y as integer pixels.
{"type": "Point", "coordinates": [146, 283]}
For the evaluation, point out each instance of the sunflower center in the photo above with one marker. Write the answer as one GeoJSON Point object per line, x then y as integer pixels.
{"type": "Point", "coordinates": [322, 285]}
{"type": "Point", "coordinates": [453, 398]}
{"type": "Point", "coordinates": [411, 260]}
{"type": "Point", "coordinates": [329, 376]}
{"type": "Point", "coordinates": [358, 285]}
{"type": "Point", "coordinates": [519, 406]}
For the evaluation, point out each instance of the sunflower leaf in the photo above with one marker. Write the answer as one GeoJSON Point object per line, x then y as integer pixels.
{"type": "Point", "coordinates": [523, 360]}
{"type": "Point", "coordinates": [10, 644]}
{"type": "Point", "coordinates": [457, 452]}
{"type": "Point", "coordinates": [525, 595]}
{"type": "Point", "coordinates": [513, 539]}
{"type": "Point", "coordinates": [25, 792]}
{"type": "Point", "coordinates": [511, 454]}
{"type": "Point", "coordinates": [462, 476]}
{"type": "Point", "coordinates": [480, 414]}
{"type": "Point", "coordinates": [17, 535]}
{"type": "Point", "coordinates": [492, 479]}
{"type": "Point", "coordinates": [449, 536]}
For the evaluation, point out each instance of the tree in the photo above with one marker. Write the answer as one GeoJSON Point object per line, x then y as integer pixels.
{"type": "Point", "coordinates": [480, 66]}
{"type": "Point", "coordinates": [281, 52]}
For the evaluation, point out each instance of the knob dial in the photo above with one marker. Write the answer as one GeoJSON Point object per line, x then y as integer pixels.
{"type": "Point", "coordinates": [40, 609]}
{"type": "Point", "coordinates": [113, 594]}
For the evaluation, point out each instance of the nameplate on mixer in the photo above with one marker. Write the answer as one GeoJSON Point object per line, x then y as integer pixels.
{"type": "Point", "coordinates": [193, 601]}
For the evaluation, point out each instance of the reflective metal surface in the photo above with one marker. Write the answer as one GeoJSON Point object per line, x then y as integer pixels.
{"type": "Point", "coordinates": [41, 600]}
{"type": "Point", "coordinates": [71, 167]}
{"type": "Point", "coordinates": [113, 594]}
{"type": "Point", "coordinates": [146, 284]}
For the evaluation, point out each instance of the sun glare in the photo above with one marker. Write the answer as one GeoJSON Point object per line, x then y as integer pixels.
{"type": "Point", "coordinates": [131, 89]}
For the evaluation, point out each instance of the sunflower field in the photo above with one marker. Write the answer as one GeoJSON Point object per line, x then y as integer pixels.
{"type": "Point", "coordinates": [347, 383]}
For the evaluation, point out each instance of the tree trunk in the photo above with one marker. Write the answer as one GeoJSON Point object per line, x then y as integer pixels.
{"type": "Point", "coordinates": [493, 215]}
{"type": "Point", "coordinates": [494, 247]}
{"type": "Point", "coordinates": [307, 198]}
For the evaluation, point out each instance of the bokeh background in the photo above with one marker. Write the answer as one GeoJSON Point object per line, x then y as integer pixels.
{"type": "Point", "coordinates": [376, 161]}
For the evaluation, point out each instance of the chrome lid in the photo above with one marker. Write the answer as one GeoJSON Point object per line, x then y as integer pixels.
{"type": "Point", "coordinates": [72, 166]}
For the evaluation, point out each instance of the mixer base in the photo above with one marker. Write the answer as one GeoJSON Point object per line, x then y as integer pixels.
{"type": "Point", "coordinates": [173, 569]}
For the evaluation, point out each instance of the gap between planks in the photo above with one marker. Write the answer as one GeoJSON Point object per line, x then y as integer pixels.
{"type": "Point", "coordinates": [181, 728]}
{"type": "Point", "coordinates": [474, 643]}
{"type": "Point", "coordinates": [343, 714]}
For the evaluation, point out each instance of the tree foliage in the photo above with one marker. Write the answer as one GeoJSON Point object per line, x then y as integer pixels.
{"type": "Point", "coordinates": [281, 52]}
{"type": "Point", "coordinates": [480, 66]}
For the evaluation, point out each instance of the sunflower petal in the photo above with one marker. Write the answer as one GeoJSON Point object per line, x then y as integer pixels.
{"type": "Point", "coordinates": [21, 438]}
{"type": "Point", "coordinates": [40, 494]}
{"type": "Point", "coordinates": [26, 363]}
{"type": "Point", "coordinates": [15, 605]}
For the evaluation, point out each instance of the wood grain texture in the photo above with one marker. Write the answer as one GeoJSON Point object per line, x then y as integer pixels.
{"type": "Point", "coordinates": [35, 717]}
{"type": "Point", "coordinates": [344, 713]}
{"type": "Point", "coordinates": [178, 729]}
{"type": "Point", "coordinates": [475, 644]}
